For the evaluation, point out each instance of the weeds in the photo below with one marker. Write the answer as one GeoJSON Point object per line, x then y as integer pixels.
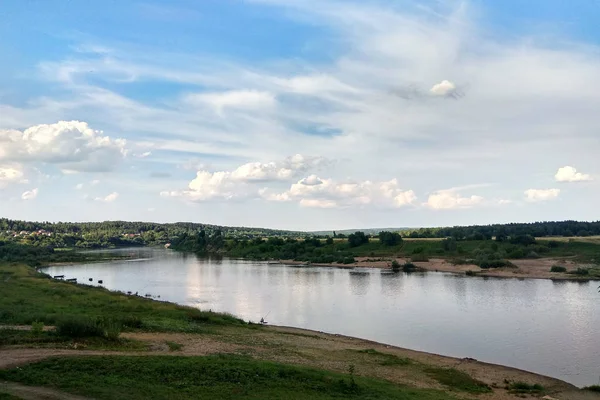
{"type": "Point", "coordinates": [524, 388]}
{"type": "Point", "coordinates": [457, 380]}
{"type": "Point", "coordinates": [174, 346]}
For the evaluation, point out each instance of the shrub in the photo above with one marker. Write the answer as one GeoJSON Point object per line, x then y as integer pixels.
{"type": "Point", "coordinates": [593, 388]}
{"type": "Point", "coordinates": [396, 266]}
{"type": "Point", "coordinates": [522, 387]}
{"type": "Point", "coordinates": [79, 327]}
{"type": "Point", "coordinates": [348, 260]}
{"type": "Point", "coordinates": [37, 328]}
{"type": "Point", "coordinates": [558, 268]}
{"type": "Point", "coordinates": [420, 257]}
{"type": "Point", "coordinates": [84, 327]}
{"type": "Point", "coordinates": [470, 273]}
{"type": "Point", "coordinates": [409, 267]}
{"type": "Point", "coordinates": [580, 271]}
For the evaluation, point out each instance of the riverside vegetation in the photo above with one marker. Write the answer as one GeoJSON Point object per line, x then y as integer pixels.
{"type": "Point", "coordinates": [117, 342]}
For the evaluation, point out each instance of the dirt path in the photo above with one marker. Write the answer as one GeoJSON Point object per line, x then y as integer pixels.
{"type": "Point", "coordinates": [36, 393]}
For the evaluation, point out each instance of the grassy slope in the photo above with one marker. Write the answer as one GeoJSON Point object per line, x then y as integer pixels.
{"type": "Point", "coordinates": [28, 296]}
{"type": "Point", "coordinates": [213, 377]}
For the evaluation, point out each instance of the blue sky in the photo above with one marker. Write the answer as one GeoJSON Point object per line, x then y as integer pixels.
{"type": "Point", "coordinates": [300, 114]}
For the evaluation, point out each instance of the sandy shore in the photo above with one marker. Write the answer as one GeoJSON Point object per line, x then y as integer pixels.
{"type": "Point", "coordinates": [526, 268]}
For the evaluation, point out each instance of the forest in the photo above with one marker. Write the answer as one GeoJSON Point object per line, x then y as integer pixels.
{"type": "Point", "coordinates": [112, 234]}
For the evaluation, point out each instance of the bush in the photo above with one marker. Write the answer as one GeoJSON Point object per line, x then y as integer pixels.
{"type": "Point", "coordinates": [558, 268]}
{"type": "Point", "coordinates": [409, 267]}
{"type": "Point", "coordinates": [593, 388]}
{"type": "Point", "coordinates": [396, 266]}
{"type": "Point", "coordinates": [83, 327]}
{"type": "Point", "coordinates": [79, 327]}
{"type": "Point", "coordinates": [420, 257]}
{"type": "Point", "coordinates": [485, 264]}
{"type": "Point", "coordinates": [37, 328]}
{"type": "Point", "coordinates": [470, 273]}
{"type": "Point", "coordinates": [522, 387]}
{"type": "Point", "coordinates": [580, 272]}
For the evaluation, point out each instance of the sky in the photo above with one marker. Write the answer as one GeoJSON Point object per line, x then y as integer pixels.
{"type": "Point", "coordinates": [300, 114]}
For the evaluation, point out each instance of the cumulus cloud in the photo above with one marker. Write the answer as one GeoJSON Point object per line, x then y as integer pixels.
{"type": "Point", "coordinates": [10, 174]}
{"type": "Point", "coordinates": [570, 174]}
{"type": "Point", "coordinates": [109, 198]}
{"type": "Point", "coordinates": [238, 183]}
{"type": "Point", "coordinates": [72, 145]}
{"type": "Point", "coordinates": [451, 199]}
{"type": "Point", "coordinates": [326, 193]}
{"type": "Point", "coordinates": [311, 180]}
{"type": "Point", "coordinates": [30, 194]}
{"type": "Point", "coordinates": [444, 88]}
{"type": "Point", "coordinates": [79, 186]}
{"type": "Point", "coordinates": [535, 195]}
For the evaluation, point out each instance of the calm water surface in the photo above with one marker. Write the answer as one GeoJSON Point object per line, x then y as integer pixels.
{"type": "Point", "coordinates": [543, 326]}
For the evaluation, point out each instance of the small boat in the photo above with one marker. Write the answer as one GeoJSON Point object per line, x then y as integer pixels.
{"type": "Point", "coordinates": [100, 281]}
{"type": "Point", "coordinates": [90, 279]}
{"type": "Point", "coordinates": [72, 280]}
{"type": "Point", "coordinates": [59, 277]}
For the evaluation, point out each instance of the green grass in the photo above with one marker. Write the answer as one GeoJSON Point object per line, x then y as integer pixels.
{"type": "Point", "coordinates": [525, 388]}
{"type": "Point", "coordinates": [174, 346]}
{"type": "Point", "coordinates": [28, 296]}
{"type": "Point", "coordinates": [10, 337]}
{"type": "Point", "coordinates": [457, 380]}
{"type": "Point", "coordinates": [6, 396]}
{"type": "Point", "coordinates": [385, 358]}
{"type": "Point", "coordinates": [212, 377]}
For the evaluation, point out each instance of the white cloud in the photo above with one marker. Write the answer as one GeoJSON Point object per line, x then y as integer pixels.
{"type": "Point", "coordinates": [94, 182]}
{"type": "Point", "coordinates": [238, 183]}
{"type": "Point", "coordinates": [10, 174]}
{"type": "Point", "coordinates": [79, 186]}
{"type": "Point", "coordinates": [328, 193]}
{"type": "Point", "coordinates": [72, 145]}
{"type": "Point", "coordinates": [444, 88]}
{"type": "Point", "coordinates": [30, 194]}
{"type": "Point", "coordinates": [570, 174]}
{"type": "Point", "coordinates": [318, 203]}
{"type": "Point", "coordinates": [451, 199]}
{"type": "Point", "coordinates": [241, 99]}
{"type": "Point", "coordinates": [109, 198]}
{"type": "Point", "coordinates": [535, 195]}
{"type": "Point", "coordinates": [311, 180]}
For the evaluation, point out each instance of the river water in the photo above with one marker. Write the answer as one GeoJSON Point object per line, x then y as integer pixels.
{"type": "Point", "coordinates": [548, 327]}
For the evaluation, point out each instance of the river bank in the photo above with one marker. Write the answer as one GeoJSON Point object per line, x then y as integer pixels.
{"type": "Point", "coordinates": [524, 268]}
{"type": "Point", "coordinates": [331, 352]}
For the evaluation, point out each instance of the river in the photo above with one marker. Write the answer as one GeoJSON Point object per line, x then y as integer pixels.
{"type": "Point", "coordinates": [543, 326]}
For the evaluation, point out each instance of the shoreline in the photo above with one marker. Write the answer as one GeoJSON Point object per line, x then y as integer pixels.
{"type": "Point", "coordinates": [525, 268]}
{"type": "Point", "coordinates": [438, 359]}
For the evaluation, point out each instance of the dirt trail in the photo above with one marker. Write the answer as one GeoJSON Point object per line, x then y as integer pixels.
{"type": "Point", "coordinates": [36, 393]}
